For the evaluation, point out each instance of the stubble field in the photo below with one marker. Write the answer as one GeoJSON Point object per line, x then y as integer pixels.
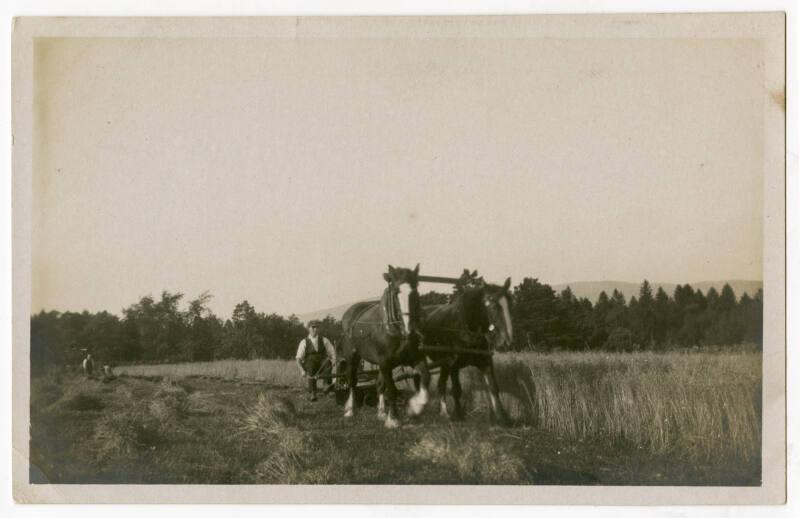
{"type": "Point", "coordinates": [578, 418]}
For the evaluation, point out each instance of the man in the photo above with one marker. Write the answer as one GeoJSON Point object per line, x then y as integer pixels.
{"type": "Point", "coordinates": [88, 366]}
{"type": "Point", "coordinates": [312, 353]}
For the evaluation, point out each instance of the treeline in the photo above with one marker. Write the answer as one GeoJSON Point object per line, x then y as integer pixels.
{"type": "Point", "coordinates": [158, 330]}
{"type": "Point", "coordinates": [546, 320]}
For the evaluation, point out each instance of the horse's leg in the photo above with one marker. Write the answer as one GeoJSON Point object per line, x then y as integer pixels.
{"type": "Point", "coordinates": [391, 396]}
{"type": "Point", "coordinates": [417, 403]}
{"type": "Point", "coordinates": [417, 380]}
{"type": "Point", "coordinates": [455, 381]}
{"type": "Point", "coordinates": [352, 378]}
{"type": "Point", "coordinates": [380, 388]}
{"type": "Point", "coordinates": [441, 387]}
{"type": "Point", "coordinates": [494, 394]}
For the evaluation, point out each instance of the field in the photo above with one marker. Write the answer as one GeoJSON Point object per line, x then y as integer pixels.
{"type": "Point", "coordinates": [690, 418]}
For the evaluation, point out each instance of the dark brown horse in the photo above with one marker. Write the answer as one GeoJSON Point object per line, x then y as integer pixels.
{"type": "Point", "coordinates": [476, 319]}
{"type": "Point", "coordinates": [386, 333]}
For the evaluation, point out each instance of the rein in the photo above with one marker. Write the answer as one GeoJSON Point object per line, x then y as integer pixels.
{"type": "Point", "coordinates": [467, 334]}
{"type": "Point", "coordinates": [377, 323]}
{"type": "Point", "coordinates": [456, 350]}
{"type": "Point", "coordinates": [451, 329]}
{"type": "Point", "coordinates": [457, 330]}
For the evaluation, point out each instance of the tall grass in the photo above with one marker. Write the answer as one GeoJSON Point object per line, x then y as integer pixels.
{"type": "Point", "coordinates": [705, 405]}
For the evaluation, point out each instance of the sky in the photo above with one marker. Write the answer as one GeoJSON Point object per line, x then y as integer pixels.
{"type": "Point", "coordinates": [290, 172]}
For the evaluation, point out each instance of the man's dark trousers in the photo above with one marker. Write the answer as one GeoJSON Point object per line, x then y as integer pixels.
{"type": "Point", "coordinates": [315, 365]}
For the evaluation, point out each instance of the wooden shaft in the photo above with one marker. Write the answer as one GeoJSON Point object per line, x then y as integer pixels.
{"type": "Point", "coordinates": [440, 280]}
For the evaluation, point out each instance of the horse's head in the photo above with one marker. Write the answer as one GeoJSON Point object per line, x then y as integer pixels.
{"type": "Point", "coordinates": [402, 289]}
{"type": "Point", "coordinates": [497, 303]}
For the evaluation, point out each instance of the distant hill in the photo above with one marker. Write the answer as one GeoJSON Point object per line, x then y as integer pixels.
{"type": "Point", "coordinates": [586, 289]}
{"type": "Point", "coordinates": [336, 312]}
{"type": "Point", "coordinates": [592, 289]}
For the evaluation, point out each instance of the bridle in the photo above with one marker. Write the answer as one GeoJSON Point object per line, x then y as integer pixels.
{"type": "Point", "coordinates": [493, 328]}
{"type": "Point", "coordinates": [394, 310]}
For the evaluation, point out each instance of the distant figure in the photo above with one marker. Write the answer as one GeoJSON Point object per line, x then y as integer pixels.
{"type": "Point", "coordinates": [88, 366]}
{"type": "Point", "coordinates": [312, 353]}
{"type": "Point", "coordinates": [107, 374]}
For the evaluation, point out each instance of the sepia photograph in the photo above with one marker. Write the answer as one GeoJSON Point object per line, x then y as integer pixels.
{"type": "Point", "coordinates": [537, 256]}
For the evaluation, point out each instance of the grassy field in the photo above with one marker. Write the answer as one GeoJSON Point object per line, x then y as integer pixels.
{"type": "Point", "coordinates": [579, 418]}
{"type": "Point", "coordinates": [279, 373]}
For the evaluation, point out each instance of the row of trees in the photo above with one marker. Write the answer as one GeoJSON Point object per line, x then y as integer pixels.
{"type": "Point", "coordinates": [654, 321]}
{"type": "Point", "coordinates": [546, 320]}
{"type": "Point", "coordinates": [158, 330]}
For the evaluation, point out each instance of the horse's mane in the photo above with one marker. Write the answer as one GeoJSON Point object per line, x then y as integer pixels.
{"type": "Point", "coordinates": [471, 306]}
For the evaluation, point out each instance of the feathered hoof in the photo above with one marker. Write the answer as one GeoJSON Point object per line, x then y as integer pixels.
{"type": "Point", "coordinates": [381, 416]}
{"type": "Point", "coordinates": [391, 423]}
{"type": "Point", "coordinates": [417, 404]}
{"type": "Point", "coordinates": [443, 409]}
{"type": "Point", "coordinates": [348, 413]}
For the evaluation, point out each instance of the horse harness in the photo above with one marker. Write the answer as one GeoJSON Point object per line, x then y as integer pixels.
{"type": "Point", "coordinates": [393, 315]}
{"type": "Point", "coordinates": [391, 321]}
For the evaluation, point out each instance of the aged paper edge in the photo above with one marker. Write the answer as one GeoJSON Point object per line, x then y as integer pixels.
{"type": "Point", "coordinates": [769, 27]}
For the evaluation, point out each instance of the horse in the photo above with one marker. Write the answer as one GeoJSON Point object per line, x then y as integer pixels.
{"type": "Point", "coordinates": [479, 319]}
{"type": "Point", "coordinates": [386, 333]}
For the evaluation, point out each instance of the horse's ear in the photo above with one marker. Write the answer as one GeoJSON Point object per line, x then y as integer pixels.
{"type": "Point", "coordinates": [416, 269]}
{"type": "Point", "coordinates": [391, 268]}
{"type": "Point", "coordinates": [386, 277]}
{"type": "Point", "coordinates": [507, 284]}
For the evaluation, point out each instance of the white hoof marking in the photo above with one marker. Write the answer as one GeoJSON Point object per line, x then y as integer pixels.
{"type": "Point", "coordinates": [417, 403]}
{"type": "Point", "coordinates": [348, 407]}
